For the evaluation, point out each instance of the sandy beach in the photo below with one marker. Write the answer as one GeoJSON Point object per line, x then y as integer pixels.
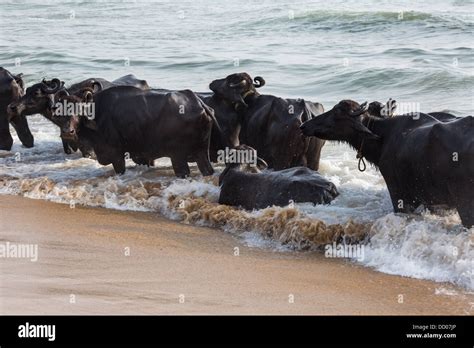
{"type": "Point", "coordinates": [98, 261]}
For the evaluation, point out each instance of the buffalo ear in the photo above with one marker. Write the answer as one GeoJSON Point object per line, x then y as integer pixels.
{"type": "Point", "coordinates": [19, 79]}
{"type": "Point", "coordinates": [220, 88]}
{"type": "Point", "coordinates": [216, 86]}
{"type": "Point", "coordinates": [361, 129]}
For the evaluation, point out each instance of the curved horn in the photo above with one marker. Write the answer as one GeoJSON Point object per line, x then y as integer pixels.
{"type": "Point", "coordinates": [259, 82]}
{"type": "Point", "coordinates": [62, 93]}
{"type": "Point", "coordinates": [362, 108]}
{"type": "Point", "coordinates": [261, 164]}
{"type": "Point", "coordinates": [240, 84]}
{"type": "Point", "coordinates": [57, 85]}
{"type": "Point", "coordinates": [87, 96]}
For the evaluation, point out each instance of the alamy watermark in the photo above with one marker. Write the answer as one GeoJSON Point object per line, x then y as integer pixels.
{"type": "Point", "coordinates": [67, 108]}
{"type": "Point", "coordinates": [349, 251]}
{"type": "Point", "coordinates": [228, 155]}
{"type": "Point", "coordinates": [28, 330]}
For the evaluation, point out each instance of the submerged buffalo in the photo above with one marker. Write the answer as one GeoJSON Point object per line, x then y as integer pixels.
{"type": "Point", "coordinates": [148, 124]}
{"type": "Point", "coordinates": [270, 124]}
{"type": "Point", "coordinates": [424, 161]}
{"type": "Point", "coordinates": [245, 185]}
{"type": "Point", "coordinates": [11, 90]}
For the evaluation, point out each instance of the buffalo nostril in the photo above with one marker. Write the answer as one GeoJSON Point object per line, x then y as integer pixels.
{"type": "Point", "coordinates": [72, 131]}
{"type": "Point", "coordinates": [12, 107]}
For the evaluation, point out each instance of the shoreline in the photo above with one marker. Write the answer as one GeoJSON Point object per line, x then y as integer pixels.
{"type": "Point", "coordinates": [103, 261]}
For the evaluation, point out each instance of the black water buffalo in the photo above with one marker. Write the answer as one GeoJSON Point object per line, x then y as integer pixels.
{"type": "Point", "coordinates": [11, 90]}
{"type": "Point", "coordinates": [271, 124]}
{"type": "Point", "coordinates": [247, 186]}
{"type": "Point", "coordinates": [423, 161]}
{"type": "Point", "coordinates": [224, 112]}
{"type": "Point", "coordinates": [43, 97]}
{"type": "Point", "coordinates": [148, 124]}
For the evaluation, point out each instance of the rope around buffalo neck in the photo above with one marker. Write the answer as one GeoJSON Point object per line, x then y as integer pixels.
{"type": "Point", "coordinates": [361, 160]}
{"type": "Point", "coordinates": [361, 165]}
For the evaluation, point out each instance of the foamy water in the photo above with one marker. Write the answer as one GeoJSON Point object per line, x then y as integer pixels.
{"type": "Point", "coordinates": [425, 246]}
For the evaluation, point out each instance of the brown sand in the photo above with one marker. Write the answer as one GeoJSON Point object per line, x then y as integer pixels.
{"type": "Point", "coordinates": [82, 253]}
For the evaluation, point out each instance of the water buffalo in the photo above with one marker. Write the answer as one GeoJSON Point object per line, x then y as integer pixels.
{"type": "Point", "coordinates": [271, 124]}
{"type": "Point", "coordinates": [424, 161]}
{"type": "Point", "coordinates": [247, 186]}
{"type": "Point", "coordinates": [225, 132]}
{"type": "Point", "coordinates": [12, 89]}
{"type": "Point", "coordinates": [148, 124]}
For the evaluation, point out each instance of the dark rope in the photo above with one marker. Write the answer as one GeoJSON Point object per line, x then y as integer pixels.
{"type": "Point", "coordinates": [361, 160]}
{"type": "Point", "coordinates": [360, 156]}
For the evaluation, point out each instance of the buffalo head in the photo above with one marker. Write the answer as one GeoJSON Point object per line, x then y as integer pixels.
{"type": "Point", "coordinates": [38, 98]}
{"type": "Point", "coordinates": [236, 87]}
{"type": "Point", "coordinates": [71, 124]}
{"type": "Point", "coordinates": [343, 122]}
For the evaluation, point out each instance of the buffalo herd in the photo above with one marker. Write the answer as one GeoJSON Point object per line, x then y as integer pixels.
{"type": "Point", "coordinates": [425, 159]}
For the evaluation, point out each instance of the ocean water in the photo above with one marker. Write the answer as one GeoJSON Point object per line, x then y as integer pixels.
{"type": "Point", "coordinates": [416, 52]}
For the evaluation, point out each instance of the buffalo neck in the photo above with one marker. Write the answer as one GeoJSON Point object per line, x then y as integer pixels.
{"type": "Point", "coordinates": [48, 114]}
{"type": "Point", "coordinates": [89, 134]}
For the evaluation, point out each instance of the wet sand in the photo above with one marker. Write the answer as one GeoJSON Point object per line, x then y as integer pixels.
{"type": "Point", "coordinates": [98, 261]}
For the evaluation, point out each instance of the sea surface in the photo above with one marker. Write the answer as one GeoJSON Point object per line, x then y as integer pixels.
{"type": "Point", "coordinates": [417, 52]}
